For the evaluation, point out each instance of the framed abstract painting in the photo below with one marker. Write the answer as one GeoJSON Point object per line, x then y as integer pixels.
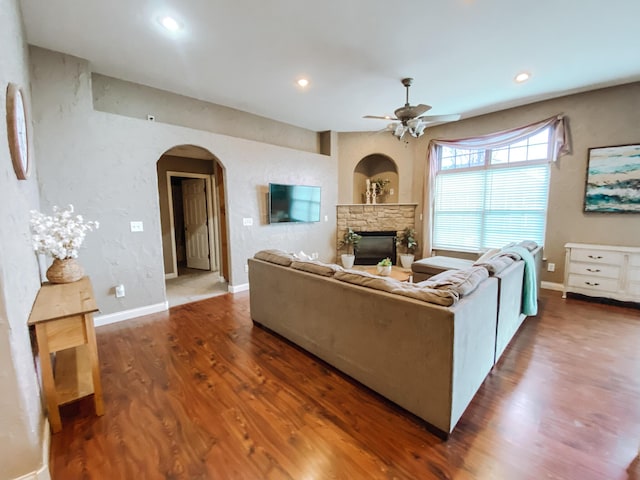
{"type": "Point", "coordinates": [613, 179]}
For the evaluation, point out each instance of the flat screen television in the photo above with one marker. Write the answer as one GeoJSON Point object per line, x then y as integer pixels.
{"type": "Point", "coordinates": [293, 203]}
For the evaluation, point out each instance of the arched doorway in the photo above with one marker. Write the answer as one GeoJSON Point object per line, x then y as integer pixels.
{"type": "Point", "coordinates": [193, 223]}
{"type": "Point", "coordinates": [376, 167]}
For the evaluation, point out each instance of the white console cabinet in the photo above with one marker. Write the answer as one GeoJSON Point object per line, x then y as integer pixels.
{"type": "Point", "coordinates": [602, 271]}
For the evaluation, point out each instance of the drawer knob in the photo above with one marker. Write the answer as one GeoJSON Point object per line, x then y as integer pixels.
{"type": "Point", "coordinates": [593, 270]}
{"type": "Point", "coordinates": [592, 284]}
{"type": "Point", "coordinates": [595, 257]}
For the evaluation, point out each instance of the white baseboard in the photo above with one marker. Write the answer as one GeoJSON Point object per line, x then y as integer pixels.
{"type": "Point", "coordinates": [243, 287]}
{"type": "Point", "coordinates": [168, 276]}
{"type": "Point", "coordinates": [100, 320]}
{"type": "Point", "coordinates": [43, 472]}
{"type": "Point", "coordinates": [558, 287]}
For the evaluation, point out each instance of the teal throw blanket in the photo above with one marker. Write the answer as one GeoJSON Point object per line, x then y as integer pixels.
{"type": "Point", "coordinates": [530, 287]}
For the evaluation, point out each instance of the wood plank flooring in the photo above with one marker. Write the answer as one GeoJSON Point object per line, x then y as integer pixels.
{"type": "Point", "coordinates": [199, 393]}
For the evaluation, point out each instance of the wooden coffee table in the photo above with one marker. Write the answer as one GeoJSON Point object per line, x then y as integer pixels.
{"type": "Point", "coordinates": [398, 273]}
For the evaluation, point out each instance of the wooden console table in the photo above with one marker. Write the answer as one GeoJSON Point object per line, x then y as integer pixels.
{"type": "Point", "coordinates": [63, 318]}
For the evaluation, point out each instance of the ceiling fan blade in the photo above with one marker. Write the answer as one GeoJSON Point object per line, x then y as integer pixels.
{"type": "Point", "coordinates": [408, 112]}
{"type": "Point", "coordinates": [440, 118]}
{"type": "Point", "coordinates": [386, 117]}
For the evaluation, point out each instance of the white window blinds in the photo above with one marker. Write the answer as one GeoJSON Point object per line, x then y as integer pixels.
{"type": "Point", "coordinates": [490, 207]}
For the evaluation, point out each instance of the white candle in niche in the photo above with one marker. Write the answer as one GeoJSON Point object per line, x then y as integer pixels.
{"type": "Point", "coordinates": [368, 184]}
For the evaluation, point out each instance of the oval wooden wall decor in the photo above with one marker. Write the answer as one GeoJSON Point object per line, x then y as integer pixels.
{"type": "Point", "coordinates": [17, 131]}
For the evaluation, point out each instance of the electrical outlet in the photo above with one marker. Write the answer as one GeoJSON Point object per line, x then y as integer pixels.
{"type": "Point", "coordinates": [137, 227]}
{"type": "Point", "coordinates": [119, 291]}
{"type": "Point", "coordinates": [247, 222]}
{"type": "Point", "coordinates": [551, 267]}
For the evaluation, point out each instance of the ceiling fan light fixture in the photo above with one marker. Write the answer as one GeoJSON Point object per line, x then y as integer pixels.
{"type": "Point", "coordinates": [411, 118]}
{"type": "Point", "coordinates": [399, 131]}
{"type": "Point", "coordinates": [418, 130]}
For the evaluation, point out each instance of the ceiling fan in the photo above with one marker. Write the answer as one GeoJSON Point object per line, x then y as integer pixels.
{"type": "Point", "coordinates": [411, 119]}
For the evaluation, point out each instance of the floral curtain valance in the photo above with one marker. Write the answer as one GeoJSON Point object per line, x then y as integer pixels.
{"type": "Point", "coordinates": [559, 138]}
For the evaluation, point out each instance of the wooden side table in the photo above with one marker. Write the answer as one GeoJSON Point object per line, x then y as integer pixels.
{"type": "Point", "coordinates": [63, 318]}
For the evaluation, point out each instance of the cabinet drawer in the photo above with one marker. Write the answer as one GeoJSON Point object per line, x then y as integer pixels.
{"type": "Point", "coordinates": [597, 256]}
{"type": "Point", "coordinates": [593, 283]}
{"type": "Point", "coordinates": [595, 269]}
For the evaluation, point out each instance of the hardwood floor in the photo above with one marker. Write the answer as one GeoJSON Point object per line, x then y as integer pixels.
{"type": "Point", "coordinates": [198, 392]}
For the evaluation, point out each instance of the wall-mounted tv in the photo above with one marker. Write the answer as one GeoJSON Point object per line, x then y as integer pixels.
{"type": "Point", "coordinates": [293, 203]}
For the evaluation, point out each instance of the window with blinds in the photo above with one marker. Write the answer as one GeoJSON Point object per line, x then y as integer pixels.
{"type": "Point", "coordinates": [488, 198]}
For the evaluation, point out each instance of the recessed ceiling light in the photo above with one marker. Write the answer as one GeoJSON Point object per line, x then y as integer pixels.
{"type": "Point", "coordinates": [522, 77]}
{"type": "Point", "coordinates": [303, 82]}
{"type": "Point", "coordinates": [170, 23]}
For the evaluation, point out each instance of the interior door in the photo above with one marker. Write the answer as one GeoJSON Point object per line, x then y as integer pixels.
{"type": "Point", "coordinates": [195, 223]}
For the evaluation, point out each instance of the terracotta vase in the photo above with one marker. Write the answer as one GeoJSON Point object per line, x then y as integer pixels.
{"type": "Point", "coordinates": [64, 271]}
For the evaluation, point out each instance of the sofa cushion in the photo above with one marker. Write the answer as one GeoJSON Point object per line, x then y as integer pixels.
{"type": "Point", "coordinates": [437, 264]}
{"type": "Point", "coordinates": [442, 297]}
{"type": "Point", "coordinates": [319, 268]}
{"type": "Point", "coordinates": [463, 282]}
{"type": "Point", "coordinates": [275, 256]}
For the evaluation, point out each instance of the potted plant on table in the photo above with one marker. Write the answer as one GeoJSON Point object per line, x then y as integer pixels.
{"type": "Point", "coordinates": [384, 267]}
{"type": "Point", "coordinates": [407, 241]}
{"type": "Point", "coordinates": [349, 240]}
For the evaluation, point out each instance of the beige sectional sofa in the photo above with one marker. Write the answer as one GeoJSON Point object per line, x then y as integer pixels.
{"type": "Point", "coordinates": [427, 347]}
{"type": "Point", "coordinates": [508, 270]}
{"type": "Point", "coordinates": [428, 358]}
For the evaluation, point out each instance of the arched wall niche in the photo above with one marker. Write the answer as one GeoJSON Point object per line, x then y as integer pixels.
{"type": "Point", "coordinates": [375, 166]}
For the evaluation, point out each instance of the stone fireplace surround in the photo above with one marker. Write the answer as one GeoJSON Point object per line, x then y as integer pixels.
{"type": "Point", "coordinates": [373, 218]}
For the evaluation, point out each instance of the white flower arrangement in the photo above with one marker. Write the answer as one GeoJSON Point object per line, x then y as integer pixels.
{"type": "Point", "coordinates": [61, 234]}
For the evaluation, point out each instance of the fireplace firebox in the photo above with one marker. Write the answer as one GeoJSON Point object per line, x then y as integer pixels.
{"type": "Point", "coordinates": [375, 246]}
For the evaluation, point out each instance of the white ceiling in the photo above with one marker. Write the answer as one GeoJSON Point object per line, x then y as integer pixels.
{"type": "Point", "coordinates": [248, 54]}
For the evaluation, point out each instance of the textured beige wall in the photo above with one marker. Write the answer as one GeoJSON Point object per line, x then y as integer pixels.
{"type": "Point", "coordinates": [134, 100]}
{"type": "Point", "coordinates": [169, 163]}
{"type": "Point", "coordinates": [603, 117]}
{"type": "Point", "coordinates": [106, 165]}
{"type": "Point", "coordinates": [20, 406]}
{"type": "Point", "coordinates": [354, 146]}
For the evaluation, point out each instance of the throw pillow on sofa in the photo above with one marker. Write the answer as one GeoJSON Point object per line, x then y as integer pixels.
{"type": "Point", "coordinates": [442, 297]}
{"type": "Point", "coordinates": [275, 256]}
{"type": "Point", "coordinates": [496, 264]}
{"type": "Point", "coordinates": [463, 282]}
